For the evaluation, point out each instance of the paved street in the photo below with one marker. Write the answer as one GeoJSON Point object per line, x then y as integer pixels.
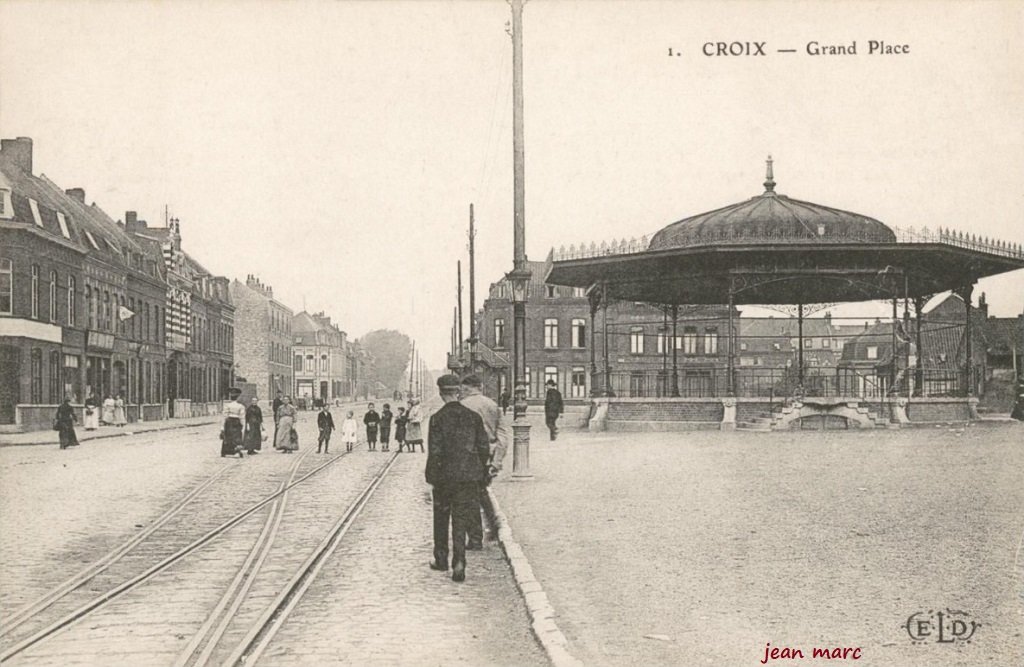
{"type": "Point", "coordinates": [715, 544]}
{"type": "Point", "coordinates": [67, 509]}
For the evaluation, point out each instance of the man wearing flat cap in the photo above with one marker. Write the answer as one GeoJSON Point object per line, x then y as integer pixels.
{"type": "Point", "coordinates": [458, 449]}
{"type": "Point", "coordinates": [499, 436]}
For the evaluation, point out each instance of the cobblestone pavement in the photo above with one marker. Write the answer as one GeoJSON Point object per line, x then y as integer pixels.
{"type": "Point", "coordinates": [377, 602]}
{"type": "Point", "coordinates": [699, 548]}
{"type": "Point", "coordinates": [69, 508]}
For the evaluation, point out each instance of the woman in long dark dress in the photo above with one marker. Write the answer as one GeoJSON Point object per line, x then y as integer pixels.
{"type": "Point", "coordinates": [65, 423]}
{"type": "Point", "coordinates": [253, 439]}
{"type": "Point", "coordinates": [231, 434]}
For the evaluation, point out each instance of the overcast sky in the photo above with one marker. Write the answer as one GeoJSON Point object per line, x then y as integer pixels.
{"type": "Point", "coordinates": [333, 149]}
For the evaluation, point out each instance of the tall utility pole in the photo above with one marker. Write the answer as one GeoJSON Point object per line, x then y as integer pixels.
{"type": "Point", "coordinates": [472, 293]}
{"type": "Point", "coordinates": [412, 358]}
{"type": "Point", "coordinates": [520, 275]}
{"type": "Point", "coordinates": [459, 264]}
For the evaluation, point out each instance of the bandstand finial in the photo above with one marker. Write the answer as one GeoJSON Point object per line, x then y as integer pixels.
{"type": "Point", "coordinates": [769, 183]}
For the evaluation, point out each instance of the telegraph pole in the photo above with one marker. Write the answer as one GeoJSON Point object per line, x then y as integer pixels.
{"type": "Point", "coordinates": [459, 264]}
{"type": "Point", "coordinates": [520, 276]}
{"type": "Point", "coordinates": [472, 294]}
{"type": "Point", "coordinates": [412, 359]}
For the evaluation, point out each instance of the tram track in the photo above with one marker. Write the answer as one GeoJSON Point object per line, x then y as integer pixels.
{"type": "Point", "coordinates": [126, 584]}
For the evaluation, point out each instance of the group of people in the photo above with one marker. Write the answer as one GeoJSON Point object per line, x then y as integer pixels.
{"type": "Point", "coordinates": [111, 412]}
{"type": "Point", "coordinates": [407, 425]}
{"type": "Point", "coordinates": [243, 430]}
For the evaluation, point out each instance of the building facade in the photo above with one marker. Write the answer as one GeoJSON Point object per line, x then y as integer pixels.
{"type": "Point", "coordinates": [262, 338]}
{"type": "Point", "coordinates": [320, 363]}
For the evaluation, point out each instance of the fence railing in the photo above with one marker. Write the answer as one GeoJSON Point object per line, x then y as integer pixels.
{"type": "Point", "coordinates": [783, 383]}
{"type": "Point", "coordinates": [904, 235]}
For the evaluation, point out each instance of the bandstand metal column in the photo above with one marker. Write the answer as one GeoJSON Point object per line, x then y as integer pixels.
{"type": "Point", "coordinates": [675, 352]}
{"type": "Point", "coordinates": [595, 300]}
{"type": "Point", "coordinates": [966, 293]}
{"type": "Point", "coordinates": [732, 346]}
{"type": "Point", "coordinates": [607, 364]}
{"type": "Point", "coordinates": [918, 367]}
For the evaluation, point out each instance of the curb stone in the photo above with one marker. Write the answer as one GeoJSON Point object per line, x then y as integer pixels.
{"type": "Point", "coordinates": [538, 607]}
{"type": "Point", "coordinates": [104, 436]}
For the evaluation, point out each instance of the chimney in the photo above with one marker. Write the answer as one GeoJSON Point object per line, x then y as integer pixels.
{"type": "Point", "coordinates": [78, 194]}
{"type": "Point", "coordinates": [19, 152]}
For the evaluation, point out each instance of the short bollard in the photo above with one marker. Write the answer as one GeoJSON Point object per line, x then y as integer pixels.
{"type": "Point", "coordinates": [521, 449]}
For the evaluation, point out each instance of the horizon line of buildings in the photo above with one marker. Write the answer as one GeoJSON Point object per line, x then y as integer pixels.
{"type": "Point", "coordinates": [92, 306]}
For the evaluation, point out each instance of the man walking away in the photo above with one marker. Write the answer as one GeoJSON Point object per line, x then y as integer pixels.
{"type": "Point", "coordinates": [498, 436]}
{"type": "Point", "coordinates": [552, 408]}
{"type": "Point", "coordinates": [371, 419]}
{"type": "Point", "coordinates": [457, 456]}
{"type": "Point", "coordinates": [325, 422]}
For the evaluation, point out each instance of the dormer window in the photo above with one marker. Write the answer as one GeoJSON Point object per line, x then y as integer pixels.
{"type": "Point", "coordinates": [110, 244]}
{"type": "Point", "coordinates": [35, 212]}
{"type": "Point", "coordinates": [6, 208]}
{"type": "Point", "coordinates": [63, 225]}
{"type": "Point", "coordinates": [92, 240]}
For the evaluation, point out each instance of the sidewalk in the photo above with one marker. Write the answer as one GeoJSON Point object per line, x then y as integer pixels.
{"type": "Point", "coordinates": [699, 548]}
{"type": "Point", "coordinates": [50, 437]}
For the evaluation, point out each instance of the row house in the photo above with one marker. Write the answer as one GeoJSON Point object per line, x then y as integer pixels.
{"type": "Point", "coordinates": [262, 339]}
{"type": "Point", "coordinates": [87, 308]}
{"type": "Point", "coordinates": [320, 363]}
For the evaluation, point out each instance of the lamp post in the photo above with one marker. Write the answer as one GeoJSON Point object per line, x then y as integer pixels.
{"type": "Point", "coordinates": [139, 348]}
{"type": "Point", "coordinates": [519, 278]}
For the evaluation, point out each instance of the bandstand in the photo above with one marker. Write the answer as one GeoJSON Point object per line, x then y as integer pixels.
{"type": "Point", "coordinates": [771, 250]}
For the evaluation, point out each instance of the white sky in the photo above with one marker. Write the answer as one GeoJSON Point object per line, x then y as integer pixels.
{"type": "Point", "coordinates": [333, 148]}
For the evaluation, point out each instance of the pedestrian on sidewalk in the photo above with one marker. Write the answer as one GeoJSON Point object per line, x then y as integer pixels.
{"type": "Point", "coordinates": [64, 424]}
{"type": "Point", "coordinates": [349, 431]}
{"type": "Point", "coordinates": [325, 422]}
{"type": "Point", "coordinates": [456, 467]}
{"type": "Point", "coordinates": [120, 418]}
{"type": "Point", "coordinates": [414, 428]}
{"type": "Point", "coordinates": [385, 427]}
{"type": "Point", "coordinates": [253, 438]}
{"type": "Point", "coordinates": [371, 419]}
{"type": "Point", "coordinates": [1018, 404]}
{"type": "Point", "coordinates": [504, 398]}
{"type": "Point", "coordinates": [553, 408]}
{"type": "Point", "coordinates": [287, 439]}
{"type": "Point", "coordinates": [92, 413]}
{"type": "Point", "coordinates": [231, 432]}
{"type": "Point", "coordinates": [498, 437]}
{"type": "Point", "coordinates": [108, 410]}
{"type": "Point", "coordinates": [274, 407]}
{"type": "Point", "coordinates": [400, 421]}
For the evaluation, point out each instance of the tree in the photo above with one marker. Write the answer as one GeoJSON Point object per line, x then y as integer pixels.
{"type": "Point", "coordinates": [390, 351]}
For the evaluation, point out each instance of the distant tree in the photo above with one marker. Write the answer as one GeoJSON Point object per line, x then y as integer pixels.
{"type": "Point", "coordinates": [390, 350]}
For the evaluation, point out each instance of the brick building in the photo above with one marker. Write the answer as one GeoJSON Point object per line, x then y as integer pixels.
{"type": "Point", "coordinates": [262, 338]}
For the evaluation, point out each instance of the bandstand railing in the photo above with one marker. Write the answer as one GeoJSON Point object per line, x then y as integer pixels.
{"type": "Point", "coordinates": [903, 235]}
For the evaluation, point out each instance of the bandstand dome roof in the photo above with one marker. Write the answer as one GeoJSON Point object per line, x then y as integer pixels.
{"type": "Point", "coordinates": [772, 217]}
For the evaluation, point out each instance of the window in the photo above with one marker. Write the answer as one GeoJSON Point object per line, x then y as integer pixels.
{"type": "Point", "coordinates": [743, 347]}
{"type": "Point", "coordinates": [579, 292]}
{"type": "Point", "coordinates": [92, 239]}
{"type": "Point", "coordinates": [550, 292]}
{"type": "Point", "coordinates": [662, 342]}
{"type": "Point", "coordinates": [826, 342]}
{"type": "Point", "coordinates": [309, 363]}
{"type": "Point", "coordinates": [872, 351]}
{"type": "Point", "coordinates": [776, 346]}
{"type": "Point", "coordinates": [71, 301]}
{"type": "Point", "coordinates": [298, 363]}
{"type": "Point", "coordinates": [63, 226]}
{"type": "Point", "coordinates": [578, 389]}
{"type": "Point", "coordinates": [808, 343]}
{"type": "Point", "coordinates": [551, 333]}
{"type": "Point", "coordinates": [636, 340]}
{"type": "Point", "coordinates": [6, 209]}
{"type": "Point", "coordinates": [711, 341]}
{"type": "Point", "coordinates": [36, 374]}
{"type": "Point", "coordinates": [6, 286]}
{"type": "Point", "coordinates": [55, 360]}
{"type": "Point", "coordinates": [550, 375]}
{"type": "Point", "coordinates": [499, 332]}
{"type": "Point", "coordinates": [35, 291]}
{"type": "Point", "coordinates": [579, 333]}
{"type": "Point", "coordinates": [690, 340]}
{"type": "Point", "coordinates": [323, 363]}
{"type": "Point", "coordinates": [90, 307]}
{"type": "Point", "coordinates": [35, 212]}
{"type": "Point", "coordinates": [53, 296]}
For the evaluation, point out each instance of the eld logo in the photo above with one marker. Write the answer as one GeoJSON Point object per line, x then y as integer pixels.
{"type": "Point", "coordinates": [941, 628]}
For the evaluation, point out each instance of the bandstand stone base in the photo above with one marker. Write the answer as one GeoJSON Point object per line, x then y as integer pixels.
{"type": "Point", "coordinates": [619, 414]}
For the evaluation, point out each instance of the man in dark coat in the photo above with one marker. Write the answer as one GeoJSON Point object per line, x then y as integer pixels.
{"type": "Point", "coordinates": [1018, 404]}
{"type": "Point", "coordinates": [275, 406]}
{"type": "Point", "coordinates": [553, 408]}
{"type": "Point", "coordinates": [325, 422]}
{"type": "Point", "coordinates": [457, 455]}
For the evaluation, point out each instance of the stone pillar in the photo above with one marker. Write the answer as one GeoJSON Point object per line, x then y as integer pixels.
{"type": "Point", "coordinates": [966, 293]}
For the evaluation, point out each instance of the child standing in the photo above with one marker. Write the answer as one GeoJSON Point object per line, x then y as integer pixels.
{"type": "Point", "coordinates": [349, 428]}
{"type": "Point", "coordinates": [325, 422]}
{"type": "Point", "coordinates": [385, 427]}
{"type": "Point", "coordinates": [371, 419]}
{"type": "Point", "coordinates": [400, 422]}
